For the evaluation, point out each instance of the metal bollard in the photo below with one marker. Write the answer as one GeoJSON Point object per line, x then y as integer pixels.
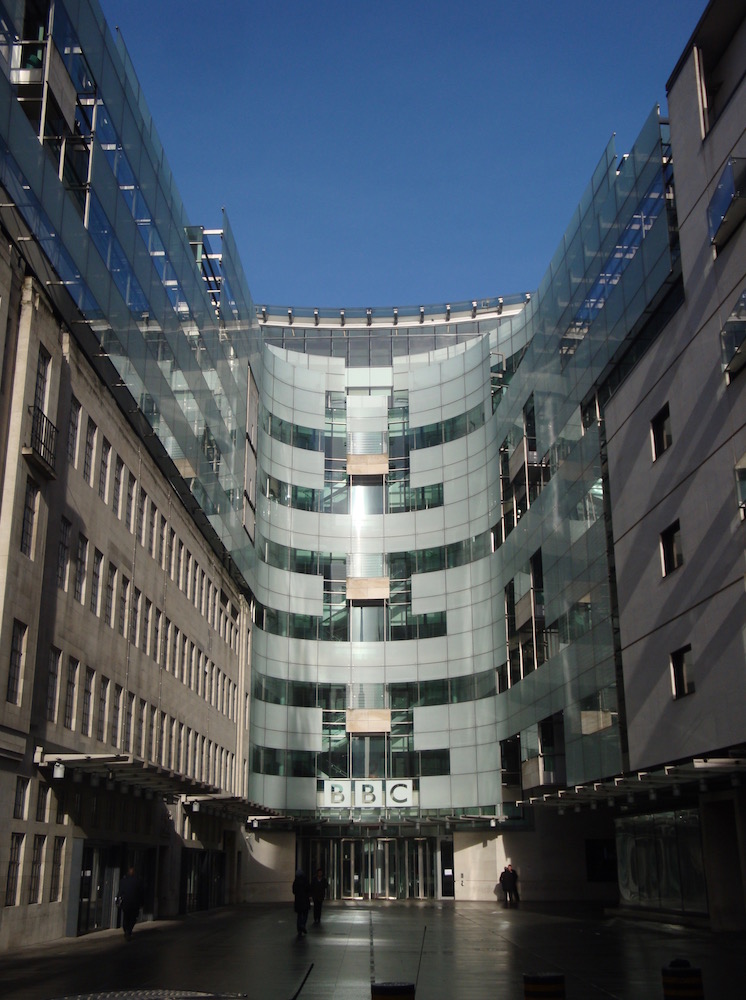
{"type": "Point", "coordinates": [548, 985]}
{"type": "Point", "coordinates": [681, 981]}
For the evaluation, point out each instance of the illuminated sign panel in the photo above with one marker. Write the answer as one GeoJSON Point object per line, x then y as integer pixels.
{"type": "Point", "coordinates": [368, 793]}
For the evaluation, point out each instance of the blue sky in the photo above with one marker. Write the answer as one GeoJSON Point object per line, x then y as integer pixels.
{"type": "Point", "coordinates": [402, 152]}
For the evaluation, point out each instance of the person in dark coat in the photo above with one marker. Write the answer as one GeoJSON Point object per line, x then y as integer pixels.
{"type": "Point", "coordinates": [509, 883]}
{"type": "Point", "coordinates": [302, 894]}
{"type": "Point", "coordinates": [319, 889]}
{"type": "Point", "coordinates": [131, 897]}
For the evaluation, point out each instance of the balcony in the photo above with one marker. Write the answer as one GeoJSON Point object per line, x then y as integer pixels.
{"type": "Point", "coordinates": [727, 208]}
{"type": "Point", "coordinates": [41, 453]}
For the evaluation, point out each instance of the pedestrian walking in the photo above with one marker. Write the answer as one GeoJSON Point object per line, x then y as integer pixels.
{"type": "Point", "coordinates": [302, 894]}
{"type": "Point", "coordinates": [319, 889]}
{"type": "Point", "coordinates": [130, 899]}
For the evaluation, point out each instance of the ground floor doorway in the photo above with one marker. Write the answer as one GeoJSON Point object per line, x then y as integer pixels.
{"type": "Point", "coordinates": [374, 867]}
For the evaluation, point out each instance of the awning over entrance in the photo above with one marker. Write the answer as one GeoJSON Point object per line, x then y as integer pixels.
{"type": "Point", "coordinates": [126, 771]}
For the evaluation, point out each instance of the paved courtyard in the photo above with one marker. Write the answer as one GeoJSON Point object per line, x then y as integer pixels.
{"type": "Point", "coordinates": [453, 950]}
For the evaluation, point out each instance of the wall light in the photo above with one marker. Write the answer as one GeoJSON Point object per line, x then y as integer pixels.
{"type": "Point", "coordinates": [58, 771]}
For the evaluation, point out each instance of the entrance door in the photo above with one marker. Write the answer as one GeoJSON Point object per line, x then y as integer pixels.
{"type": "Point", "coordinates": [419, 869]}
{"type": "Point", "coordinates": [352, 869]}
{"type": "Point", "coordinates": [386, 870]}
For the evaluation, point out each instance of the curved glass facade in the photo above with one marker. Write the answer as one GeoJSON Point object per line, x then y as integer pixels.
{"type": "Point", "coordinates": [413, 500]}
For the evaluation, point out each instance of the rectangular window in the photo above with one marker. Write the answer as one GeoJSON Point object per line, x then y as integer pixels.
{"type": "Point", "coordinates": [129, 502]}
{"type": "Point", "coordinates": [660, 432]}
{"type": "Point", "coordinates": [116, 708]}
{"type": "Point", "coordinates": [123, 596]}
{"type": "Point", "coordinates": [156, 650]}
{"type": "Point", "coordinates": [37, 857]}
{"type": "Point", "coordinates": [19, 803]}
{"type": "Point", "coordinates": [85, 718]}
{"type": "Point", "coordinates": [14, 869]}
{"type": "Point", "coordinates": [98, 558]}
{"type": "Point", "coordinates": [72, 431]}
{"type": "Point", "coordinates": [135, 615]}
{"type": "Point", "coordinates": [42, 800]}
{"type": "Point", "coordinates": [116, 496]}
{"type": "Point", "coordinates": [42, 379]}
{"type": "Point", "coordinates": [140, 729]}
{"type": "Point", "coordinates": [53, 680]}
{"type": "Point", "coordinates": [682, 674]}
{"type": "Point", "coordinates": [152, 521]}
{"type": "Point", "coordinates": [146, 620]}
{"type": "Point", "coordinates": [70, 693]}
{"type": "Point", "coordinates": [80, 567]}
{"type": "Point", "coordinates": [170, 552]}
{"type": "Point", "coordinates": [55, 888]}
{"type": "Point", "coordinates": [103, 469]}
{"type": "Point", "coordinates": [162, 541]}
{"type": "Point", "coordinates": [142, 499]}
{"type": "Point", "coordinates": [29, 518]}
{"type": "Point", "coordinates": [111, 578]}
{"type": "Point", "coordinates": [15, 667]}
{"type": "Point", "coordinates": [90, 444]}
{"type": "Point", "coordinates": [671, 553]}
{"type": "Point", "coordinates": [63, 553]}
{"type": "Point", "coordinates": [103, 695]}
{"type": "Point", "coordinates": [129, 710]}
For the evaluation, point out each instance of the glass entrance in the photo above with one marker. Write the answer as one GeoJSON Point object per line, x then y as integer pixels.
{"type": "Point", "coordinates": [386, 870]}
{"type": "Point", "coordinates": [376, 868]}
{"type": "Point", "coordinates": [351, 881]}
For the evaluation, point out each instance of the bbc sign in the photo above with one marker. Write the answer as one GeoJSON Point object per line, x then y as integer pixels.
{"type": "Point", "coordinates": [368, 793]}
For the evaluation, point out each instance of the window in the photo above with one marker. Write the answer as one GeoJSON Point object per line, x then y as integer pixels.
{"type": "Point", "coordinates": [152, 521]}
{"type": "Point", "coordinates": [85, 719]}
{"type": "Point", "coordinates": [146, 621]}
{"type": "Point", "coordinates": [103, 469]}
{"type": "Point", "coordinates": [103, 694]}
{"type": "Point", "coordinates": [80, 565]}
{"type": "Point", "coordinates": [19, 803]}
{"type": "Point", "coordinates": [53, 679]}
{"type": "Point", "coordinates": [37, 856]}
{"type": "Point", "coordinates": [63, 553]}
{"type": "Point", "coordinates": [671, 555]}
{"type": "Point", "coordinates": [117, 492]}
{"type": "Point", "coordinates": [98, 559]}
{"type": "Point", "coordinates": [55, 888]}
{"type": "Point", "coordinates": [29, 518]}
{"type": "Point", "coordinates": [142, 500]}
{"type": "Point", "coordinates": [156, 651]}
{"type": "Point", "coordinates": [111, 579]}
{"type": "Point", "coordinates": [116, 708]}
{"type": "Point", "coordinates": [123, 595]}
{"type": "Point", "coordinates": [41, 804]}
{"type": "Point", "coordinates": [72, 431]}
{"type": "Point", "coordinates": [42, 378]}
{"type": "Point", "coordinates": [135, 615]}
{"type": "Point", "coordinates": [660, 432]}
{"type": "Point", "coordinates": [129, 502]}
{"type": "Point", "coordinates": [70, 693]}
{"type": "Point", "coordinates": [15, 671]}
{"type": "Point", "coordinates": [90, 443]}
{"type": "Point", "coordinates": [129, 711]}
{"type": "Point", "coordinates": [140, 728]}
{"type": "Point", "coordinates": [14, 869]}
{"type": "Point", "coordinates": [682, 677]}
